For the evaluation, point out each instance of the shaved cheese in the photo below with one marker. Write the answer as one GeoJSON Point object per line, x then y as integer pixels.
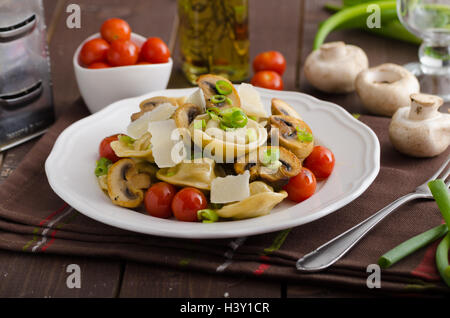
{"type": "Point", "coordinates": [230, 188]}
{"type": "Point", "coordinates": [251, 102]}
{"type": "Point", "coordinates": [197, 98]}
{"type": "Point", "coordinates": [166, 151]}
{"type": "Point", "coordinates": [140, 126]}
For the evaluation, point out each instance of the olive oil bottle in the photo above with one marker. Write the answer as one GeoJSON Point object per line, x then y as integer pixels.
{"type": "Point", "coordinates": [214, 38]}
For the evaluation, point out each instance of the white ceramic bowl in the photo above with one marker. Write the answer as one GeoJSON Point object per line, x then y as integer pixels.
{"type": "Point", "coordinates": [101, 87]}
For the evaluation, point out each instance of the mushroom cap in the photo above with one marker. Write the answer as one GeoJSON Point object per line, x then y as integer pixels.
{"type": "Point", "coordinates": [385, 88]}
{"type": "Point", "coordinates": [280, 107]}
{"type": "Point", "coordinates": [287, 134]}
{"type": "Point", "coordinates": [290, 166]}
{"type": "Point", "coordinates": [125, 184]}
{"type": "Point", "coordinates": [334, 66]}
{"type": "Point", "coordinates": [185, 114]}
{"type": "Point", "coordinates": [151, 103]}
{"type": "Point", "coordinates": [420, 130]}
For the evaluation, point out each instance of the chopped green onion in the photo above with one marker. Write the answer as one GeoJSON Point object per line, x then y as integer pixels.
{"type": "Point", "coordinates": [442, 259]}
{"type": "Point", "coordinates": [303, 135]}
{"type": "Point", "coordinates": [102, 166]}
{"type": "Point", "coordinates": [218, 99]}
{"type": "Point", "coordinates": [199, 124]}
{"type": "Point", "coordinates": [440, 194]}
{"type": "Point", "coordinates": [213, 113]}
{"type": "Point", "coordinates": [225, 127]}
{"type": "Point", "coordinates": [228, 101]}
{"type": "Point", "coordinates": [413, 244]}
{"type": "Point", "coordinates": [356, 115]}
{"type": "Point", "coordinates": [270, 156]}
{"type": "Point", "coordinates": [223, 87]}
{"type": "Point", "coordinates": [207, 216]}
{"type": "Point", "coordinates": [234, 117]}
{"type": "Point", "coordinates": [126, 140]}
{"type": "Point", "coordinates": [254, 118]}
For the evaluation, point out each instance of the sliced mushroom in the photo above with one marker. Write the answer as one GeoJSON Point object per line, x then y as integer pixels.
{"type": "Point", "coordinates": [261, 201]}
{"type": "Point", "coordinates": [208, 82]}
{"type": "Point", "coordinates": [288, 130]}
{"type": "Point", "coordinates": [186, 114]}
{"type": "Point", "coordinates": [276, 173]}
{"type": "Point", "coordinates": [198, 173]}
{"type": "Point", "coordinates": [151, 103]}
{"type": "Point", "coordinates": [280, 107]}
{"type": "Point", "coordinates": [125, 184]}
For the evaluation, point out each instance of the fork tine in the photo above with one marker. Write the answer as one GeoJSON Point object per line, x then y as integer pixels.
{"type": "Point", "coordinates": [440, 170]}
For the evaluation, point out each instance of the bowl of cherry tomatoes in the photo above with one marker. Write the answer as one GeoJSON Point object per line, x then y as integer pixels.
{"type": "Point", "coordinates": [116, 63]}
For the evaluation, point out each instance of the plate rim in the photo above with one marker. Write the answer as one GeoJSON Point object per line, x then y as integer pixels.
{"type": "Point", "coordinates": [330, 208]}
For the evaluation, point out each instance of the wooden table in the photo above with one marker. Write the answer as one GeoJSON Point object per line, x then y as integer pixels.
{"type": "Point", "coordinates": [286, 25]}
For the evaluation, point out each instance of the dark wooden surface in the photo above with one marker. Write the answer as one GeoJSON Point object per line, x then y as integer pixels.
{"type": "Point", "coordinates": [288, 26]}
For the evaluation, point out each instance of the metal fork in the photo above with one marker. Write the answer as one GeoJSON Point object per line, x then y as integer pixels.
{"type": "Point", "coordinates": [327, 254]}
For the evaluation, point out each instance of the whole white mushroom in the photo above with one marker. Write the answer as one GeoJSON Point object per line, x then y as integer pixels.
{"type": "Point", "coordinates": [334, 66]}
{"type": "Point", "coordinates": [421, 130]}
{"type": "Point", "coordinates": [385, 88]}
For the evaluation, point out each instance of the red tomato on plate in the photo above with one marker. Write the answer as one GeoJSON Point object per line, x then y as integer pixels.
{"type": "Point", "coordinates": [94, 51]}
{"type": "Point", "coordinates": [320, 162]}
{"type": "Point", "coordinates": [155, 50]}
{"type": "Point", "coordinates": [270, 61]}
{"type": "Point", "coordinates": [267, 79]}
{"type": "Point", "coordinates": [105, 149]}
{"type": "Point", "coordinates": [302, 186]}
{"type": "Point", "coordinates": [186, 203]}
{"type": "Point", "coordinates": [158, 200]}
{"type": "Point", "coordinates": [122, 53]}
{"type": "Point", "coordinates": [115, 29]}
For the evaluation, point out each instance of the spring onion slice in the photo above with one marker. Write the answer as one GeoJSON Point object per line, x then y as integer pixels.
{"type": "Point", "coordinates": [440, 194]}
{"type": "Point", "coordinates": [218, 99]}
{"type": "Point", "coordinates": [214, 113]}
{"type": "Point", "coordinates": [102, 166]}
{"type": "Point", "coordinates": [270, 156]}
{"type": "Point", "coordinates": [442, 259]}
{"type": "Point", "coordinates": [234, 117]}
{"type": "Point", "coordinates": [410, 246]}
{"type": "Point", "coordinates": [303, 135]}
{"type": "Point", "coordinates": [200, 124]}
{"type": "Point", "coordinates": [223, 87]}
{"type": "Point", "coordinates": [207, 216]}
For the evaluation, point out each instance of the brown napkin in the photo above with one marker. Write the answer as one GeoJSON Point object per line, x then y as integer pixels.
{"type": "Point", "coordinates": [34, 219]}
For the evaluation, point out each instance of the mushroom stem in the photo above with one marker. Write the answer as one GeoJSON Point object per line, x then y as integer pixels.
{"type": "Point", "coordinates": [424, 106]}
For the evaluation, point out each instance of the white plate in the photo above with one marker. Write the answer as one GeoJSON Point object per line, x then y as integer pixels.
{"type": "Point", "coordinates": [70, 169]}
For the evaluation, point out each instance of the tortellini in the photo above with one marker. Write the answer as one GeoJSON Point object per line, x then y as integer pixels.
{"type": "Point", "coordinates": [140, 148]}
{"type": "Point", "coordinates": [261, 201]}
{"type": "Point", "coordinates": [198, 173]}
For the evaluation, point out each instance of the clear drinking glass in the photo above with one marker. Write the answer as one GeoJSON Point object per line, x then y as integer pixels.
{"type": "Point", "coordinates": [430, 21]}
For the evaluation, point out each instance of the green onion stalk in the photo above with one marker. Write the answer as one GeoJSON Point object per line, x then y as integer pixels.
{"type": "Point", "coordinates": [355, 17]}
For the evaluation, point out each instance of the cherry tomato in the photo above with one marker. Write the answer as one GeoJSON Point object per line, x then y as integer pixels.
{"type": "Point", "coordinates": [320, 162]}
{"type": "Point", "coordinates": [105, 149]}
{"type": "Point", "coordinates": [267, 79]}
{"type": "Point", "coordinates": [122, 53]}
{"type": "Point", "coordinates": [158, 200]}
{"type": "Point", "coordinates": [93, 51]}
{"type": "Point", "coordinates": [302, 186]}
{"type": "Point", "coordinates": [115, 29]}
{"type": "Point", "coordinates": [98, 65]}
{"type": "Point", "coordinates": [155, 50]}
{"type": "Point", "coordinates": [186, 203]}
{"type": "Point", "coordinates": [270, 61]}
